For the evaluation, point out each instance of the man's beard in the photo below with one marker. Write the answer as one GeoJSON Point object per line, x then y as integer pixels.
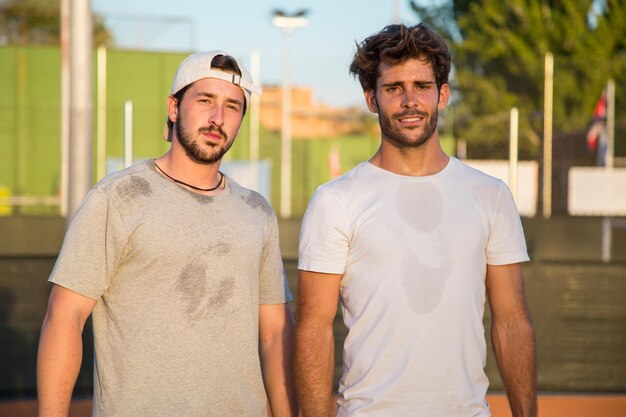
{"type": "Point", "coordinates": [194, 151]}
{"type": "Point", "coordinates": [402, 140]}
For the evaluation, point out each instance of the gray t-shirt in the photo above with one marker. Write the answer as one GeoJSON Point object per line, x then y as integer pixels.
{"type": "Point", "coordinates": [178, 278]}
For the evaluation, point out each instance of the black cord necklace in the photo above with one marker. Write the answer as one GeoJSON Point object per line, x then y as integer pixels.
{"type": "Point", "coordinates": [191, 186]}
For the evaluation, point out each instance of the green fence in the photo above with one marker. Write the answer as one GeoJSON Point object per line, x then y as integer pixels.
{"type": "Point", "coordinates": [30, 115]}
{"type": "Point", "coordinates": [30, 120]}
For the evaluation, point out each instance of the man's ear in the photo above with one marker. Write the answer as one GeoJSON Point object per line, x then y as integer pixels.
{"type": "Point", "coordinates": [370, 100]}
{"type": "Point", "coordinates": [444, 96]}
{"type": "Point", "coordinates": [172, 109]}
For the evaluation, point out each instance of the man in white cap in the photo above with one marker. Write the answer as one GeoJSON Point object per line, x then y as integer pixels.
{"type": "Point", "coordinates": [180, 269]}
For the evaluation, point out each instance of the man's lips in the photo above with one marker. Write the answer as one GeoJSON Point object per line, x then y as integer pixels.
{"type": "Point", "coordinates": [411, 118]}
{"type": "Point", "coordinates": [213, 134]}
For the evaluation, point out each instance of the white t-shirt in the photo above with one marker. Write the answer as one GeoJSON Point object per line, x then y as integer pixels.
{"type": "Point", "coordinates": [413, 253]}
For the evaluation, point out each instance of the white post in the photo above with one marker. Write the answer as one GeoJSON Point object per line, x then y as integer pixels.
{"type": "Point", "coordinates": [609, 162]}
{"type": "Point", "coordinates": [128, 134]}
{"type": "Point", "coordinates": [101, 130]}
{"type": "Point", "coordinates": [285, 137]}
{"type": "Point", "coordinates": [513, 151]}
{"type": "Point", "coordinates": [287, 24]}
{"type": "Point", "coordinates": [81, 92]}
{"type": "Point", "coordinates": [461, 149]}
{"type": "Point", "coordinates": [606, 239]}
{"type": "Point", "coordinates": [397, 14]}
{"type": "Point", "coordinates": [610, 124]}
{"type": "Point", "coordinates": [255, 68]}
{"type": "Point", "coordinates": [547, 136]}
{"type": "Point", "coordinates": [65, 106]}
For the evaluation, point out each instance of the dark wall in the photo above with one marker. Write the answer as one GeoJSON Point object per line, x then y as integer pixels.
{"type": "Point", "coordinates": [28, 249]}
{"type": "Point", "coordinates": [578, 303]}
{"type": "Point", "coordinates": [23, 299]}
{"type": "Point", "coordinates": [579, 314]}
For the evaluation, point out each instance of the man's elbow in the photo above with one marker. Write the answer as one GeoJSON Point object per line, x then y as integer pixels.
{"type": "Point", "coordinates": [279, 334]}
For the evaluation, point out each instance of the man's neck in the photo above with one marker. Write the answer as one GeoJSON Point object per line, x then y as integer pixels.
{"type": "Point", "coordinates": [178, 165]}
{"type": "Point", "coordinates": [427, 159]}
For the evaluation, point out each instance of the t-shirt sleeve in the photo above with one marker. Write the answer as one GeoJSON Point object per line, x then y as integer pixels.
{"type": "Point", "coordinates": [324, 237]}
{"type": "Point", "coordinates": [507, 243]}
{"type": "Point", "coordinates": [91, 248]}
{"type": "Point", "coordinates": [273, 287]}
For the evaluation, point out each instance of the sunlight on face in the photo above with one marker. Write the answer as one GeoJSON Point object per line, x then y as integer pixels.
{"type": "Point", "coordinates": [209, 118]}
{"type": "Point", "coordinates": [407, 102]}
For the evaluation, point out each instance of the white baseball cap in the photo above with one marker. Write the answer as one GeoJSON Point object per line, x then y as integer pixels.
{"type": "Point", "coordinates": [198, 66]}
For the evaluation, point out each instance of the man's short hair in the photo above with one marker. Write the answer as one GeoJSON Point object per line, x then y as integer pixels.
{"type": "Point", "coordinates": [395, 44]}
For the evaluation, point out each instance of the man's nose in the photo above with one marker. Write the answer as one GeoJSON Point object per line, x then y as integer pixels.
{"type": "Point", "coordinates": [409, 98]}
{"type": "Point", "coordinates": [216, 115]}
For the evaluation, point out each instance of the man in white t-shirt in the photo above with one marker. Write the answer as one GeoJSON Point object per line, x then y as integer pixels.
{"type": "Point", "coordinates": [411, 241]}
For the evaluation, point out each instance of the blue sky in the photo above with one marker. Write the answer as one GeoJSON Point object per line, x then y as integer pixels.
{"type": "Point", "coordinates": [320, 52]}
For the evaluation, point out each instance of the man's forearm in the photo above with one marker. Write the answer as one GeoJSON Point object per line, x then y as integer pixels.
{"type": "Point", "coordinates": [514, 347]}
{"type": "Point", "coordinates": [58, 363]}
{"type": "Point", "coordinates": [277, 354]}
{"type": "Point", "coordinates": [315, 358]}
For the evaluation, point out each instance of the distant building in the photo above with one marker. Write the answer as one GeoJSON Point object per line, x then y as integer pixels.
{"type": "Point", "coordinates": [310, 119]}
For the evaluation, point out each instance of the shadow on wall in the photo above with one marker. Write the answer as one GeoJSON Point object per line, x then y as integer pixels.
{"type": "Point", "coordinates": [18, 371]}
{"type": "Point", "coordinates": [20, 320]}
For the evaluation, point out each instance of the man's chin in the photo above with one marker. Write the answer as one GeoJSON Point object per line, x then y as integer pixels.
{"type": "Point", "coordinates": [408, 143]}
{"type": "Point", "coordinates": [206, 159]}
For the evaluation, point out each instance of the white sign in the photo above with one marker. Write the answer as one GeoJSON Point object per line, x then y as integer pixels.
{"type": "Point", "coordinates": [527, 180]}
{"type": "Point", "coordinates": [597, 191]}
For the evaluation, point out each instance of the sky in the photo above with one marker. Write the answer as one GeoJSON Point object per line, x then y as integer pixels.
{"type": "Point", "coordinates": [320, 53]}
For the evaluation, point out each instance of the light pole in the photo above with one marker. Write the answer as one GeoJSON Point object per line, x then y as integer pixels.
{"type": "Point", "coordinates": [287, 22]}
{"type": "Point", "coordinates": [80, 103]}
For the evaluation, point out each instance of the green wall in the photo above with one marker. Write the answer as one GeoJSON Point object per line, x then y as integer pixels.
{"type": "Point", "coordinates": [144, 78]}
{"type": "Point", "coordinates": [30, 119]}
{"type": "Point", "coordinates": [30, 114]}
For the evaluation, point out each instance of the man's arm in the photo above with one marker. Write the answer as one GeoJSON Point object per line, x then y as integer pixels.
{"type": "Point", "coordinates": [276, 337]}
{"type": "Point", "coordinates": [60, 350]}
{"type": "Point", "coordinates": [513, 338]}
{"type": "Point", "coordinates": [315, 344]}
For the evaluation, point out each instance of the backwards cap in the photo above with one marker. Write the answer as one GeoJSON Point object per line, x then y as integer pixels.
{"type": "Point", "coordinates": [198, 66]}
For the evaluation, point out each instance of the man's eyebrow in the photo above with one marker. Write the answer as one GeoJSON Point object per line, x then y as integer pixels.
{"type": "Point", "coordinates": [205, 94]}
{"type": "Point", "coordinates": [211, 95]}
{"type": "Point", "coordinates": [393, 84]}
{"type": "Point", "coordinates": [400, 83]}
{"type": "Point", "coordinates": [234, 101]}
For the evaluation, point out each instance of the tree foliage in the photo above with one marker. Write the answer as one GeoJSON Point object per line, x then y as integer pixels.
{"type": "Point", "coordinates": [499, 50]}
{"type": "Point", "coordinates": [24, 22]}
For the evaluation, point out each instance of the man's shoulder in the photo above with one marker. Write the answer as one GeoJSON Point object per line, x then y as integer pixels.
{"type": "Point", "coordinates": [251, 198]}
{"type": "Point", "coordinates": [475, 174]}
{"type": "Point", "coordinates": [346, 183]}
{"type": "Point", "coordinates": [134, 183]}
{"type": "Point", "coordinates": [129, 174]}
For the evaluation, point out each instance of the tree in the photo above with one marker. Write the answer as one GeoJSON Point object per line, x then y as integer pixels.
{"type": "Point", "coordinates": [24, 22]}
{"type": "Point", "coordinates": [499, 48]}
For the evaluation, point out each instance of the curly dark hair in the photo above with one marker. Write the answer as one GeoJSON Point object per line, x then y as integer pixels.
{"type": "Point", "coordinates": [395, 44]}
